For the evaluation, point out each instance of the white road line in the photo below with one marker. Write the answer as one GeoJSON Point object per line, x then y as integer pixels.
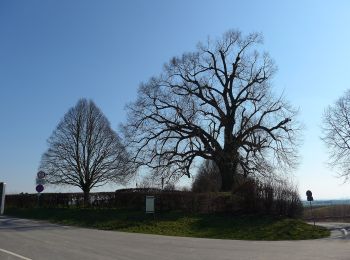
{"type": "Point", "coordinates": [14, 254]}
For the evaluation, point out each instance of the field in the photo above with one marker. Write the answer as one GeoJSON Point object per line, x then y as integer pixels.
{"type": "Point", "coordinates": [221, 226]}
{"type": "Point", "coordinates": [339, 213]}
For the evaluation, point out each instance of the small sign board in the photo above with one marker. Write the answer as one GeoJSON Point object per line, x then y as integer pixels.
{"type": "Point", "coordinates": [150, 204]}
{"type": "Point", "coordinates": [40, 181]}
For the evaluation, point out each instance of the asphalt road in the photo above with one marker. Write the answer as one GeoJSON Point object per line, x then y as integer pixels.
{"type": "Point", "coordinates": [32, 240]}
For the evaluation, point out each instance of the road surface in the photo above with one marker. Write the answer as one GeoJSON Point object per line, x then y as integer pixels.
{"type": "Point", "coordinates": [33, 240]}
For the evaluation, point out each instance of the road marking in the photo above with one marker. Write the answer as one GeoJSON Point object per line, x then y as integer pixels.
{"type": "Point", "coordinates": [14, 254]}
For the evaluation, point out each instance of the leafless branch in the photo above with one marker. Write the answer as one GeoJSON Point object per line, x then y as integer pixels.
{"type": "Point", "coordinates": [215, 103]}
{"type": "Point", "coordinates": [85, 152]}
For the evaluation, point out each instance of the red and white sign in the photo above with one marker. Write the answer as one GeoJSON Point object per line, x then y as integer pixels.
{"type": "Point", "coordinates": [41, 175]}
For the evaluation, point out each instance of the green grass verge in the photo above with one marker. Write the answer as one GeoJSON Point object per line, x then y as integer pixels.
{"type": "Point", "coordinates": [179, 224]}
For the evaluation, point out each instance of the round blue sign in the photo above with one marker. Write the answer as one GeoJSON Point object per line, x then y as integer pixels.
{"type": "Point", "coordinates": [41, 175]}
{"type": "Point", "coordinates": [39, 188]}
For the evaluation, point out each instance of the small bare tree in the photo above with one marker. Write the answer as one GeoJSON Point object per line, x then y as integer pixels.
{"type": "Point", "coordinates": [85, 152]}
{"type": "Point", "coordinates": [208, 178]}
{"type": "Point", "coordinates": [336, 134]}
{"type": "Point", "coordinates": [215, 103]}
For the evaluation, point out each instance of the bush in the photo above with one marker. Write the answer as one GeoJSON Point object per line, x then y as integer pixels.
{"type": "Point", "coordinates": [271, 198]}
{"type": "Point", "coordinates": [252, 197]}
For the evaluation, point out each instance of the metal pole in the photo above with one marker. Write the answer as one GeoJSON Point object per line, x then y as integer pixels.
{"type": "Point", "coordinates": [39, 199]}
{"type": "Point", "coordinates": [312, 215]}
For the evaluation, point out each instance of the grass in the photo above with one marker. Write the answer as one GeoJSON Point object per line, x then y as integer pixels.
{"type": "Point", "coordinates": [179, 224]}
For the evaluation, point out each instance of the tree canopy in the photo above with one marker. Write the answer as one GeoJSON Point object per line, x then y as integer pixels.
{"type": "Point", "coordinates": [215, 103]}
{"type": "Point", "coordinates": [336, 134]}
{"type": "Point", "coordinates": [85, 152]}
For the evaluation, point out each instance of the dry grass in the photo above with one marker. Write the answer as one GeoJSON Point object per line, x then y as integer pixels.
{"type": "Point", "coordinates": [329, 213]}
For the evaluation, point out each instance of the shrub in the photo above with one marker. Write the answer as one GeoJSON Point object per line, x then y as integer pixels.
{"type": "Point", "coordinates": [271, 198]}
{"type": "Point", "coordinates": [251, 197]}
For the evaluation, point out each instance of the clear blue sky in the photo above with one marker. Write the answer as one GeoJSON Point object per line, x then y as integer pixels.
{"type": "Point", "coordinates": [54, 52]}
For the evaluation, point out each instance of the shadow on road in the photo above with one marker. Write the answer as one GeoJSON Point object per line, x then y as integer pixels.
{"type": "Point", "coordinates": [15, 224]}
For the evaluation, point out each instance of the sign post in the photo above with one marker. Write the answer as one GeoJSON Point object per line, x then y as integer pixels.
{"type": "Point", "coordinates": [40, 181]}
{"type": "Point", "coordinates": [2, 197]}
{"type": "Point", "coordinates": [310, 199]}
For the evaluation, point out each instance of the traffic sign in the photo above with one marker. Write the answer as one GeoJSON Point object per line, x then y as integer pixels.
{"type": "Point", "coordinates": [41, 175]}
{"type": "Point", "coordinates": [309, 195]}
{"type": "Point", "coordinates": [39, 188]}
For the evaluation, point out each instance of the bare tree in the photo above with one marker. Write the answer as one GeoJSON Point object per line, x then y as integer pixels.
{"type": "Point", "coordinates": [336, 134]}
{"type": "Point", "coordinates": [85, 152]}
{"type": "Point", "coordinates": [215, 103]}
{"type": "Point", "coordinates": [208, 178]}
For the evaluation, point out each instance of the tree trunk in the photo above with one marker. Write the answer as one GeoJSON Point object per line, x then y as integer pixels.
{"type": "Point", "coordinates": [86, 197]}
{"type": "Point", "coordinates": [228, 172]}
{"type": "Point", "coordinates": [228, 159]}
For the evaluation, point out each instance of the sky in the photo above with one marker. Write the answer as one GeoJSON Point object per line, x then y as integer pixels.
{"type": "Point", "coordinates": [53, 53]}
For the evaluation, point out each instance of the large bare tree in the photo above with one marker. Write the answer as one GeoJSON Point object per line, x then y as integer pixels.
{"type": "Point", "coordinates": [336, 134]}
{"type": "Point", "coordinates": [85, 152]}
{"type": "Point", "coordinates": [214, 103]}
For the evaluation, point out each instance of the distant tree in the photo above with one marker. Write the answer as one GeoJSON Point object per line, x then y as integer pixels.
{"type": "Point", "coordinates": [217, 104]}
{"type": "Point", "coordinates": [148, 182]}
{"type": "Point", "coordinates": [170, 187]}
{"type": "Point", "coordinates": [208, 178]}
{"type": "Point", "coordinates": [336, 134]}
{"type": "Point", "coordinates": [85, 152]}
{"type": "Point", "coordinates": [151, 181]}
